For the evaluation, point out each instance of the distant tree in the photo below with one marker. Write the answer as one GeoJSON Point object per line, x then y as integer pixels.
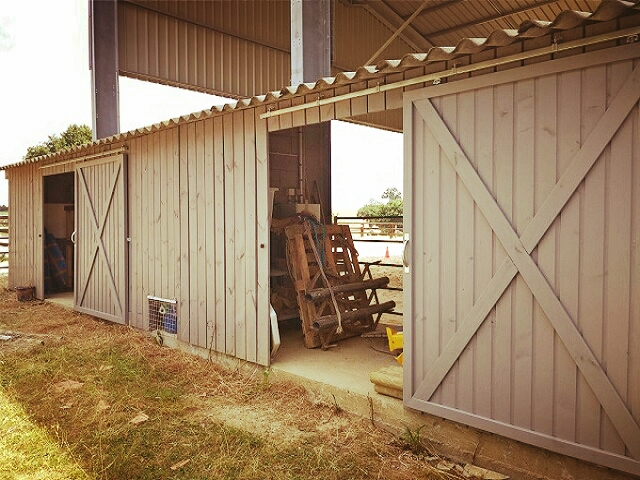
{"type": "Point", "coordinates": [377, 210]}
{"type": "Point", "coordinates": [392, 194]}
{"type": "Point", "coordinates": [73, 135]}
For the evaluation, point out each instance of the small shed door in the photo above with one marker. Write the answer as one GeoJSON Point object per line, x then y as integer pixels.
{"type": "Point", "coordinates": [522, 212]}
{"type": "Point", "coordinates": [101, 247]}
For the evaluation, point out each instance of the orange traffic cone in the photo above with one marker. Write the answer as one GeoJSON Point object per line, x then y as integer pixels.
{"type": "Point", "coordinates": [386, 254]}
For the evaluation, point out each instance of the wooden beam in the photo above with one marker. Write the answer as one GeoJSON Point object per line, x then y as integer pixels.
{"type": "Point", "coordinates": [398, 31]}
{"type": "Point", "coordinates": [320, 293]}
{"type": "Point", "coordinates": [393, 21]}
{"type": "Point", "coordinates": [328, 321]}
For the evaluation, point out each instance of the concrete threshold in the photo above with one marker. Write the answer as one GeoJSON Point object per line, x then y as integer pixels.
{"type": "Point", "coordinates": [64, 299]}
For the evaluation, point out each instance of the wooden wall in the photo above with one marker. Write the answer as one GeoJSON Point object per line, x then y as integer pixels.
{"type": "Point", "coordinates": [25, 228]}
{"type": "Point", "coordinates": [525, 294]}
{"type": "Point", "coordinates": [230, 48]}
{"type": "Point", "coordinates": [199, 233]}
{"type": "Point", "coordinates": [198, 226]}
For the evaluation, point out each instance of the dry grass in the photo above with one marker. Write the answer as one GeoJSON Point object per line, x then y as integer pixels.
{"type": "Point", "coordinates": [75, 384]}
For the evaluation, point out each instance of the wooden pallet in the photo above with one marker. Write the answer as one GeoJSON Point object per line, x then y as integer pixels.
{"type": "Point", "coordinates": [340, 282]}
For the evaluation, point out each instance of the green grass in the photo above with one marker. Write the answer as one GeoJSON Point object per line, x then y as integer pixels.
{"type": "Point", "coordinates": [195, 412]}
{"type": "Point", "coordinates": [29, 451]}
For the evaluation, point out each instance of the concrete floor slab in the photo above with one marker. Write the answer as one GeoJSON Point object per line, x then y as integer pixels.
{"type": "Point", "coordinates": [346, 366]}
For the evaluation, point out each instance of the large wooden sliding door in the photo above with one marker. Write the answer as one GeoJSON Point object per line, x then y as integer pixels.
{"type": "Point", "coordinates": [523, 213]}
{"type": "Point", "coordinates": [101, 249]}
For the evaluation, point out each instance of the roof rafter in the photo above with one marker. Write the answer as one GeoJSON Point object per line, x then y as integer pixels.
{"type": "Point", "coordinates": [383, 12]}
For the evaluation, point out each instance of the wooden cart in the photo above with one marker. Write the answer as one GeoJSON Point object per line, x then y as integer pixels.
{"type": "Point", "coordinates": [335, 297]}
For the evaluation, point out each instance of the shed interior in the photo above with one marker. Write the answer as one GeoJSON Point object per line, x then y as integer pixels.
{"type": "Point", "coordinates": [295, 181]}
{"type": "Point", "coordinates": [59, 225]}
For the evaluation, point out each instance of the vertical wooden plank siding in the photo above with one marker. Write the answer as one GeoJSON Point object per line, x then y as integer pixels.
{"type": "Point", "coordinates": [429, 330]}
{"type": "Point", "coordinates": [201, 281]}
{"type": "Point", "coordinates": [163, 214]}
{"type": "Point", "coordinates": [229, 231]}
{"type": "Point", "coordinates": [482, 152]}
{"type": "Point", "coordinates": [219, 246]}
{"type": "Point", "coordinates": [200, 231]}
{"type": "Point", "coordinates": [464, 266]}
{"type": "Point", "coordinates": [544, 181]}
{"type": "Point", "coordinates": [145, 222]}
{"type": "Point", "coordinates": [449, 236]}
{"type": "Point", "coordinates": [263, 352]}
{"type": "Point", "coordinates": [250, 233]}
{"type": "Point", "coordinates": [633, 389]}
{"type": "Point", "coordinates": [133, 183]}
{"type": "Point", "coordinates": [192, 189]}
{"type": "Point", "coordinates": [502, 369]}
{"type": "Point", "coordinates": [616, 287]}
{"type": "Point", "coordinates": [238, 210]}
{"type": "Point", "coordinates": [38, 223]}
{"type": "Point", "coordinates": [520, 138]}
{"type": "Point", "coordinates": [569, 93]}
{"type": "Point", "coordinates": [210, 230]}
{"type": "Point", "coordinates": [592, 247]}
{"type": "Point", "coordinates": [185, 225]}
{"type": "Point", "coordinates": [101, 281]}
{"type": "Point", "coordinates": [522, 326]}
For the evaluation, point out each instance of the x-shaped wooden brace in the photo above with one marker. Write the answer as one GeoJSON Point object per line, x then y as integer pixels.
{"type": "Point", "coordinates": [519, 260]}
{"type": "Point", "coordinates": [98, 228]}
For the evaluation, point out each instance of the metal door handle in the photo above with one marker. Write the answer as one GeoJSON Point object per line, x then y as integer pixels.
{"type": "Point", "coordinates": [405, 259]}
{"type": "Point", "coordinates": [73, 237]}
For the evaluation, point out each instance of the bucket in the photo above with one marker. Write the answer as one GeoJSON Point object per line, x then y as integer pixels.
{"type": "Point", "coordinates": [25, 294]}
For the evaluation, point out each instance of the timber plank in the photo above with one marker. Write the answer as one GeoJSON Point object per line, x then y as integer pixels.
{"type": "Point", "coordinates": [210, 237]}
{"type": "Point", "coordinates": [263, 233]}
{"type": "Point", "coordinates": [219, 246]}
{"type": "Point", "coordinates": [229, 227]}
{"type": "Point", "coordinates": [240, 258]}
{"type": "Point", "coordinates": [448, 237]}
{"type": "Point", "coordinates": [201, 191]}
{"type": "Point", "coordinates": [502, 361]}
{"type": "Point", "coordinates": [250, 232]}
{"type": "Point", "coordinates": [465, 265]}
{"type": "Point", "coordinates": [484, 240]}
{"type": "Point", "coordinates": [545, 179]}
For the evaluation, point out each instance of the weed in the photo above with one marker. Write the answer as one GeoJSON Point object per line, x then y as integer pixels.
{"type": "Point", "coordinates": [412, 439]}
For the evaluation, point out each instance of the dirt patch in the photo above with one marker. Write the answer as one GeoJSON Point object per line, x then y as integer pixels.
{"type": "Point", "coordinates": [124, 407]}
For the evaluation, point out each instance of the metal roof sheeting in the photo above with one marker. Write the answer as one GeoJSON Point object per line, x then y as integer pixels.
{"type": "Point", "coordinates": [606, 11]}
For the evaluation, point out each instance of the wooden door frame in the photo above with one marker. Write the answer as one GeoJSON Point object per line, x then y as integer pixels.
{"type": "Point", "coordinates": [518, 249]}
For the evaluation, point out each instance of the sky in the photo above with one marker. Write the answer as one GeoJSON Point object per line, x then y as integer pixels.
{"type": "Point", "coordinates": [45, 85]}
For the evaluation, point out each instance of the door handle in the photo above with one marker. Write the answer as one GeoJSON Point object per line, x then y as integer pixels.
{"type": "Point", "coordinates": [406, 260]}
{"type": "Point", "coordinates": [73, 237]}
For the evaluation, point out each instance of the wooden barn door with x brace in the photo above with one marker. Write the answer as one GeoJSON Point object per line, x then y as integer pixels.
{"type": "Point", "coordinates": [101, 243]}
{"type": "Point", "coordinates": [523, 208]}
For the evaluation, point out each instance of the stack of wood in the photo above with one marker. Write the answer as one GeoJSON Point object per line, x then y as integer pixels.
{"type": "Point", "coordinates": [334, 298]}
{"type": "Point", "coordinates": [388, 381]}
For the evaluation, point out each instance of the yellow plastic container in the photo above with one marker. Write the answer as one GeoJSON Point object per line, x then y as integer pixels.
{"type": "Point", "coordinates": [396, 342]}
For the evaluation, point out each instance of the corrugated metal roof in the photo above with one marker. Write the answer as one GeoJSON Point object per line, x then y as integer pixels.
{"type": "Point", "coordinates": [606, 11]}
